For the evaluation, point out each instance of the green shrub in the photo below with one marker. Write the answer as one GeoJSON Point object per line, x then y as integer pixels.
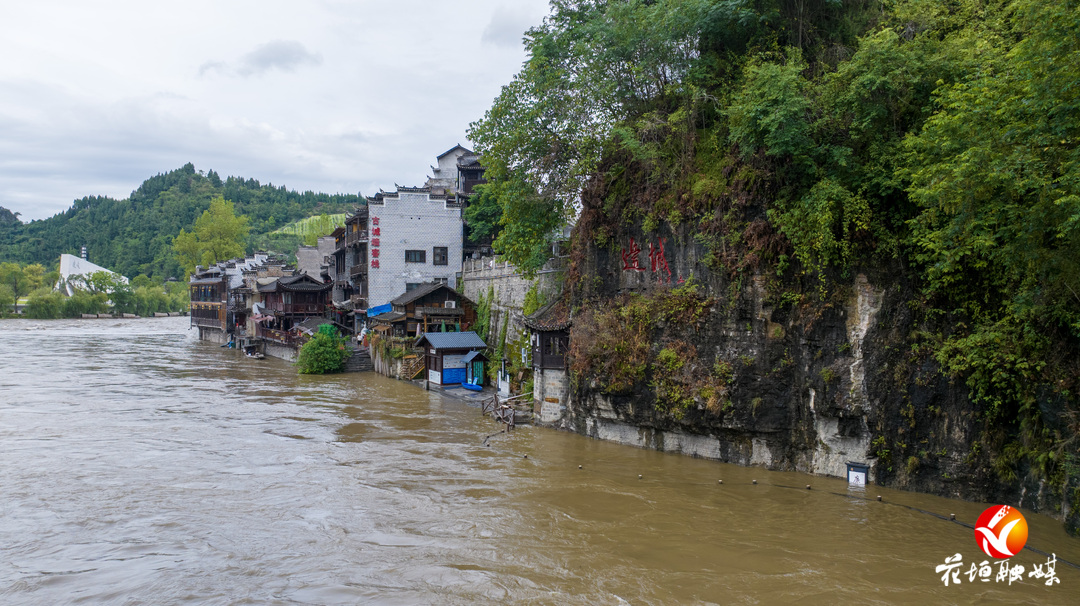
{"type": "Point", "coordinates": [324, 353]}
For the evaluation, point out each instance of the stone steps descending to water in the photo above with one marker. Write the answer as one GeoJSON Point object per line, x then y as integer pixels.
{"type": "Point", "coordinates": [359, 361]}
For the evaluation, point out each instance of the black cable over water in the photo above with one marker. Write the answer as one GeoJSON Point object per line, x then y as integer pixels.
{"type": "Point", "coordinates": [929, 513]}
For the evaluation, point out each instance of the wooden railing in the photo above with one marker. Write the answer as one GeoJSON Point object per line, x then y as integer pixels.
{"type": "Point", "coordinates": [505, 411]}
{"type": "Point", "coordinates": [357, 236]}
{"type": "Point", "coordinates": [208, 322]}
{"type": "Point", "coordinates": [414, 365]}
{"type": "Point", "coordinates": [277, 336]}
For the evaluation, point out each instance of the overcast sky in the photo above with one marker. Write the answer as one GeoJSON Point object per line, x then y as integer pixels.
{"type": "Point", "coordinates": [327, 95]}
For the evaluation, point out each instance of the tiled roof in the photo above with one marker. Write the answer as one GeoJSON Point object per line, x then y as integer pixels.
{"type": "Point", "coordinates": [469, 161]}
{"type": "Point", "coordinates": [452, 340]}
{"type": "Point", "coordinates": [390, 316]}
{"type": "Point", "coordinates": [551, 317]}
{"type": "Point", "coordinates": [420, 291]}
{"type": "Point", "coordinates": [458, 146]}
{"type": "Point", "coordinates": [311, 324]}
{"type": "Point", "coordinates": [473, 355]}
{"type": "Point", "coordinates": [303, 282]}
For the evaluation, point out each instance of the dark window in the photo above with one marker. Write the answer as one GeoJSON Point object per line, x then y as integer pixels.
{"type": "Point", "coordinates": [440, 280]}
{"type": "Point", "coordinates": [411, 286]}
{"type": "Point", "coordinates": [439, 256]}
{"type": "Point", "coordinates": [416, 256]}
{"type": "Point", "coordinates": [553, 346]}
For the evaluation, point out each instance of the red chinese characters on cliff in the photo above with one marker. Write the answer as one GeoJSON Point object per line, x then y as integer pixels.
{"type": "Point", "coordinates": [657, 259]}
{"type": "Point", "coordinates": [630, 260]}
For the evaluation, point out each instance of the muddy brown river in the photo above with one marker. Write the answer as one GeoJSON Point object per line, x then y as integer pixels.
{"type": "Point", "coordinates": [141, 466]}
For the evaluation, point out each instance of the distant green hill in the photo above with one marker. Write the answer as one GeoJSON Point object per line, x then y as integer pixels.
{"type": "Point", "coordinates": [311, 228]}
{"type": "Point", "coordinates": [134, 235]}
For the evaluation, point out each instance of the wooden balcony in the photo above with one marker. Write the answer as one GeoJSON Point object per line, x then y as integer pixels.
{"type": "Point", "coordinates": [358, 236]}
{"type": "Point", "coordinates": [357, 270]}
{"type": "Point", "coordinates": [358, 301]}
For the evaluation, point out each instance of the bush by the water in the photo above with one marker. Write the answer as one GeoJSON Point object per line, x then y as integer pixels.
{"type": "Point", "coordinates": [324, 353]}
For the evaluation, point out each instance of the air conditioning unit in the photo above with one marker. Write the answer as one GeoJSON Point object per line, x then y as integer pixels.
{"type": "Point", "coordinates": [451, 304]}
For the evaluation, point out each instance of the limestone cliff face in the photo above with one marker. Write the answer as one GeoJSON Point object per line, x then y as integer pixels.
{"type": "Point", "coordinates": [818, 375]}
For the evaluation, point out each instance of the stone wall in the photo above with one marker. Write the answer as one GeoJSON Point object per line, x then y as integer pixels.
{"type": "Point", "coordinates": [386, 366]}
{"type": "Point", "coordinates": [551, 396]}
{"type": "Point", "coordinates": [509, 288]}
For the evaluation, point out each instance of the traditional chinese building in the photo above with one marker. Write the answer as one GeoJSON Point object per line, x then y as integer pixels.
{"type": "Point", "coordinates": [208, 294]}
{"type": "Point", "coordinates": [433, 307]}
{"type": "Point", "coordinates": [288, 301]}
{"type": "Point", "coordinates": [458, 171]}
{"type": "Point", "coordinates": [445, 353]}
{"type": "Point", "coordinates": [550, 340]}
{"type": "Point", "coordinates": [218, 298]}
{"type": "Point", "coordinates": [348, 268]}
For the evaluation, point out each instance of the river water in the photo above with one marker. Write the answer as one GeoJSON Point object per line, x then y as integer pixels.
{"type": "Point", "coordinates": [141, 466]}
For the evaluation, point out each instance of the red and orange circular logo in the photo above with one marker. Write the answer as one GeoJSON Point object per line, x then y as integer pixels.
{"type": "Point", "coordinates": [1001, 531]}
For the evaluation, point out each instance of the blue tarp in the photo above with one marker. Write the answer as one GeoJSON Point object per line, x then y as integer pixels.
{"type": "Point", "coordinates": [453, 375]}
{"type": "Point", "coordinates": [374, 311]}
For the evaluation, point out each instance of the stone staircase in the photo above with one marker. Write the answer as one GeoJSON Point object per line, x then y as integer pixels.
{"type": "Point", "coordinates": [359, 361]}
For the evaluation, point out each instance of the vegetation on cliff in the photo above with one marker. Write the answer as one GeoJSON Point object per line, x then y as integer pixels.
{"type": "Point", "coordinates": [805, 140]}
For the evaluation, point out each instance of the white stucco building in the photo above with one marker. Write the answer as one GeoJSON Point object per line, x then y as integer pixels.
{"type": "Point", "coordinates": [415, 236]}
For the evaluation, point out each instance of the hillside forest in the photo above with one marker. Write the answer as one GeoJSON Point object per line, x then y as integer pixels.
{"type": "Point", "coordinates": [134, 236]}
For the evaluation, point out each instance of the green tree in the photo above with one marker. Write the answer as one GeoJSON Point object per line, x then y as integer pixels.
{"type": "Point", "coordinates": [12, 275]}
{"type": "Point", "coordinates": [7, 299]}
{"type": "Point", "coordinates": [996, 176]}
{"type": "Point", "coordinates": [591, 64]}
{"type": "Point", "coordinates": [217, 235]}
{"type": "Point", "coordinates": [44, 304]}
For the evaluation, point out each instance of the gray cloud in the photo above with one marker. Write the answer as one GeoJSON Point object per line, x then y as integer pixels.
{"type": "Point", "coordinates": [285, 55]}
{"type": "Point", "coordinates": [507, 25]}
{"type": "Point", "coordinates": [90, 117]}
{"type": "Point", "coordinates": [282, 55]}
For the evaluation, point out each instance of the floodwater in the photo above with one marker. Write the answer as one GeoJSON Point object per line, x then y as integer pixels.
{"type": "Point", "coordinates": [141, 466]}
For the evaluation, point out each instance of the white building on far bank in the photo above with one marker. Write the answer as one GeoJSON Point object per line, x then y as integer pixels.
{"type": "Point", "coordinates": [75, 270]}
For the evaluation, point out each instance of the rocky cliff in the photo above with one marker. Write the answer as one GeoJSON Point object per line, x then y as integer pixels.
{"type": "Point", "coordinates": [762, 364]}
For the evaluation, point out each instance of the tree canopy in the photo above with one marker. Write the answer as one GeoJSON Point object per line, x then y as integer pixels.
{"type": "Point", "coordinates": [218, 235]}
